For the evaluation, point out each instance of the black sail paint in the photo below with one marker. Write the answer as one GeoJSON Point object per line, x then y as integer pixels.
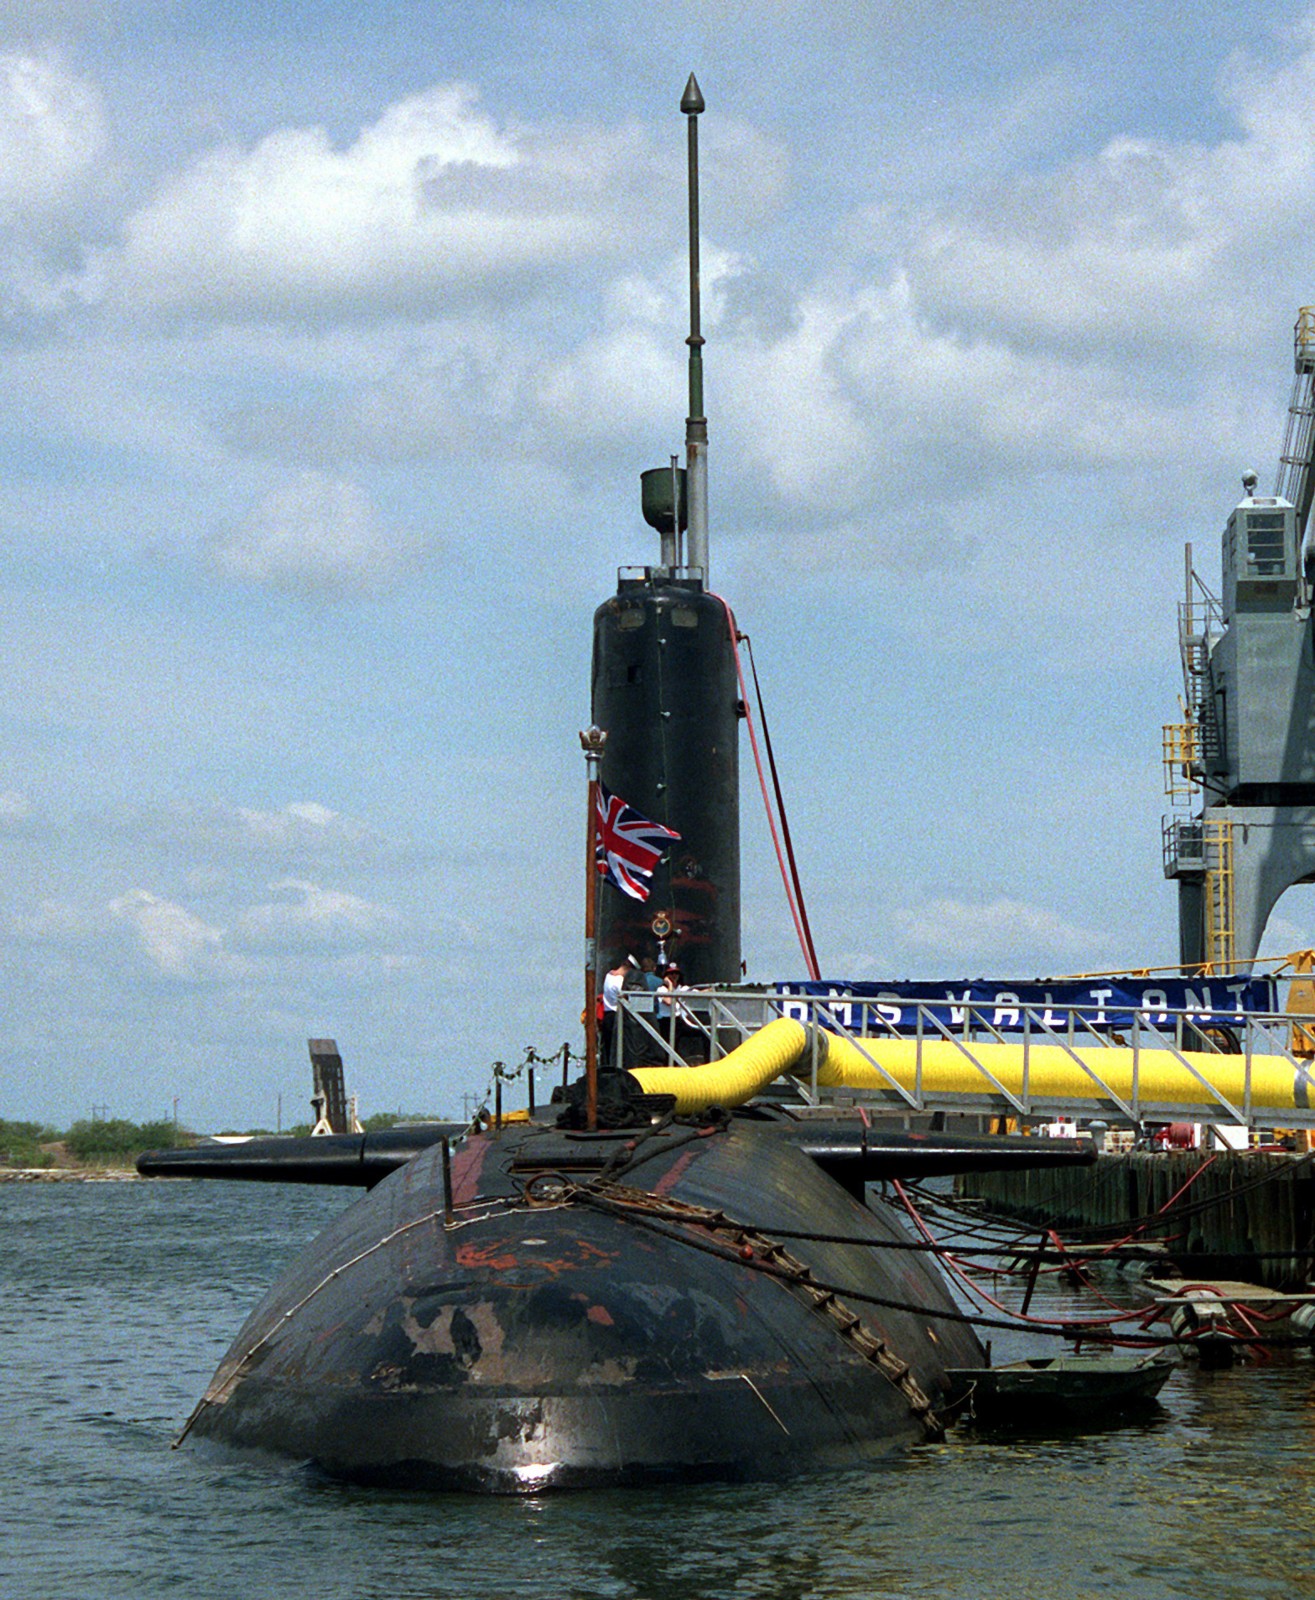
{"type": "Point", "coordinates": [665, 692]}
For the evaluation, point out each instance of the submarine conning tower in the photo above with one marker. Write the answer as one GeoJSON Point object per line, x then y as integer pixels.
{"type": "Point", "coordinates": [665, 690]}
{"type": "Point", "coordinates": [1247, 746]}
{"type": "Point", "coordinates": [666, 693]}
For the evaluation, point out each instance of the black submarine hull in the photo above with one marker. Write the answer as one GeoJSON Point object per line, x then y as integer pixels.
{"type": "Point", "coordinates": [563, 1331]}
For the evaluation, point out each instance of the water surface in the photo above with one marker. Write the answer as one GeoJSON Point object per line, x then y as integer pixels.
{"type": "Point", "coordinates": [117, 1300]}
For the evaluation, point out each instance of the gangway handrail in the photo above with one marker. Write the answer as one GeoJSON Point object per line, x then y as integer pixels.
{"type": "Point", "coordinates": [983, 1023]}
{"type": "Point", "coordinates": [961, 1046]}
{"type": "Point", "coordinates": [731, 1014]}
{"type": "Point", "coordinates": [1200, 1077]}
{"type": "Point", "coordinates": [668, 1045]}
{"type": "Point", "coordinates": [860, 1043]}
{"type": "Point", "coordinates": [722, 1013]}
{"type": "Point", "coordinates": [730, 1004]}
{"type": "Point", "coordinates": [1129, 1111]}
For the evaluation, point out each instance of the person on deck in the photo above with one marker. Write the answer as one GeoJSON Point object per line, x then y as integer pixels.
{"type": "Point", "coordinates": [613, 983]}
{"type": "Point", "coordinates": [674, 1017]}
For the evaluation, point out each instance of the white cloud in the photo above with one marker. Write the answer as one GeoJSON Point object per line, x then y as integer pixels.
{"type": "Point", "coordinates": [629, 383]}
{"type": "Point", "coordinates": [176, 942]}
{"type": "Point", "coordinates": [821, 399]}
{"type": "Point", "coordinates": [1180, 244]}
{"type": "Point", "coordinates": [303, 834]}
{"type": "Point", "coordinates": [430, 204]}
{"type": "Point", "coordinates": [52, 134]}
{"type": "Point", "coordinates": [304, 912]}
{"type": "Point", "coordinates": [626, 384]}
{"type": "Point", "coordinates": [865, 425]}
{"type": "Point", "coordinates": [298, 918]}
{"type": "Point", "coordinates": [53, 149]}
{"type": "Point", "coordinates": [999, 930]}
{"type": "Point", "coordinates": [294, 224]}
{"type": "Point", "coordinates": [1087, 319]}
{"type": "Point", "coordinates": [257, 941]}
{"type": "Point", "coordinates": [300, 818]}
{"type": "Point", "coordinates": [315, 532]}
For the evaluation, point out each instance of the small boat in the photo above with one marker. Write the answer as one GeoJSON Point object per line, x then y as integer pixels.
{"type": "Point", "coordinates": [1063, 1389]}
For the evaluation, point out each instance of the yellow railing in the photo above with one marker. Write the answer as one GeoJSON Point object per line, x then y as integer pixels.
{"type": "Point", "coordinates": [1181, 754]}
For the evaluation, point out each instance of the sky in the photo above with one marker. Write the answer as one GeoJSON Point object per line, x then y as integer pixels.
{"type": "Point", "coordinates": [333, 339]}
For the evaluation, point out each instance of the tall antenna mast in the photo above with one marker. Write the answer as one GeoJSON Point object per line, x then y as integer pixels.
{"type": "Point", "coordinates": [696, 424]}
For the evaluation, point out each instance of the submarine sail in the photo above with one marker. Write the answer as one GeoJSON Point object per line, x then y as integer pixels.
{"type": "Point", "coordinates": [666, 694]}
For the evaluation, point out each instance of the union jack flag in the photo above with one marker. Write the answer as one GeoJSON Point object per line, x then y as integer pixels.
{"type": "Point", "coordinates": [627, 846]}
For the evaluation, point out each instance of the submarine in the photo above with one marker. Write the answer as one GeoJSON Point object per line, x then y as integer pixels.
{"type": "Point", "coordinates": [664, 1276]}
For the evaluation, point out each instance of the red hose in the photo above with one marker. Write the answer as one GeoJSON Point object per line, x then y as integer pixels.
{"type": "Point", "coordinates": [796, 909]}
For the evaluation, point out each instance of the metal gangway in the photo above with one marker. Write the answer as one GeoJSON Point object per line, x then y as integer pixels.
{"type": "Point", "coordinates": [706, 1024]}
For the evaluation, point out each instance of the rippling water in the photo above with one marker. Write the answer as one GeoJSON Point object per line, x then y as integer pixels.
{"type": "Point", "coordinates": [117, 1300]}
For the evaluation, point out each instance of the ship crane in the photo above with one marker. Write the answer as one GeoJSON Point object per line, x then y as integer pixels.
{"type": "Point", "coordinates": [1247, 746]}
{"type": "Point", "coordinates": [1295, 482]}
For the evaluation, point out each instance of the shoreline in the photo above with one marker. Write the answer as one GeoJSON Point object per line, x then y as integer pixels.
{"type": "Point", "coordinates": [69, 1175]}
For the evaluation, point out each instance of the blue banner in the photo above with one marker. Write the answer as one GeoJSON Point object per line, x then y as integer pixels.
{"type": "Point", "coordinates": [1103, 1004]}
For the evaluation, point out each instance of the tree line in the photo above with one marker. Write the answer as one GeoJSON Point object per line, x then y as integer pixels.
{"type": "Point", "coordinates": [116, 1142]}
{"type": "Point", "coordinates": [100, 1142]}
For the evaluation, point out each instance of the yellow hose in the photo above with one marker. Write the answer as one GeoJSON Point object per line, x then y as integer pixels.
{"type": "Point", "coordinates": [1163, 1078]}
{"type": "Point", "coordinates": [1053, 1074]}
{"type": "Point", "coordinates": [738, 1076]}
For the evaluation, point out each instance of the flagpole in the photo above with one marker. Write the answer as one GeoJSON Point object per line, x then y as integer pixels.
{"type": "Point", "coordinates": [592, 741]}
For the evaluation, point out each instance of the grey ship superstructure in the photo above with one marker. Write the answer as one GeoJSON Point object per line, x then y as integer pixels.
{"type": "Point", "coordinates": [1246, 745]}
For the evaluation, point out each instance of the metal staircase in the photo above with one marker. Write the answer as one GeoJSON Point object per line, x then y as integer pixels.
{"type": "Point", "coordinates": [1200, 625]}
{"type": "Point", "coordinates": [1193, 744]}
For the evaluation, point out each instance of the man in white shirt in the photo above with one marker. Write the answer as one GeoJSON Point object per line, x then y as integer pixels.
{"type": "Point", "coordinates": [613, 983]}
